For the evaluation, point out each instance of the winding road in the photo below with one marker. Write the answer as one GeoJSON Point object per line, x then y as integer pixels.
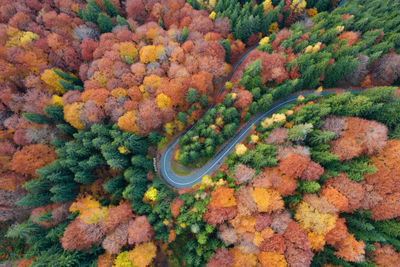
{"type": "Point", "coordinates": [177, 181]}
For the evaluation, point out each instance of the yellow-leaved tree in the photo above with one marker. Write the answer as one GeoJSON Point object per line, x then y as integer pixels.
{"type": "Point", "coordinates": [152, 80]}
{"type": "Point", "coordinates": [141, 256]}
{"type": "Point", "coordinates": [148, 54]}
{"type": "Point", "coordinates": [272, 259]}
{"type": "Point", "coordinates": [240, 149]}
{"type": "Point", "coordinates": [128, 49]}
{"type": "Point", "coordinates": [71, 114]}
{"type": "Point", "coordinates": [267, 200]}
{"type": "Point", "coordinates": [127, 122]}
{"type": "Point", "coordinates": [50, 78]}
{"type": "Point", "coordinates": [223, 197]}
{"type": "Point", "coordinates": [163, 101]}
{"type": "Point", "coordinates": [90, 210]}
{"type": "Point", "coordinates": [313, 220]}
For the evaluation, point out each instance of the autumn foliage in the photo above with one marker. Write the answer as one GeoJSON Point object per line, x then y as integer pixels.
{"type": "Point", "coordinates": [32, 157]}
{"type": "Point", "coordinates": [360, 137]}
{"type": "Point", "coordinates": [384, 182]}
{"type": "Point", "coordinates": [277, 200]}
{"type": "Point", "coordinates": [113, 227]}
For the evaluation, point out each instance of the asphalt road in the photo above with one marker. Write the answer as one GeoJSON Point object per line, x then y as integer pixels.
{"type": "Point", "coordinates": [187, 181]}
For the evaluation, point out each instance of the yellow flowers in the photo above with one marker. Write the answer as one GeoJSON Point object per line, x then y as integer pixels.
{"type": "Point", "coordinates": [212, 15]}
{"type": "Point", "coordinates": [240, 149]}
{"type": "Point", "coordinates": [312, 49]}
{"type": "Point", "coordinates": [275, 118]}
{"type": "Point", "coordinates": [234, 96]}
{"type": "Point", "coordinates": [151, 194]}
{"type": "Point", "coordinates": [320, 89]}
{"type": "Point", "coordinates": [313, 220]}
{"type": "Point", "coordinates": [264, 40]}
{"type": "Point", "coordinates": [301, 98]}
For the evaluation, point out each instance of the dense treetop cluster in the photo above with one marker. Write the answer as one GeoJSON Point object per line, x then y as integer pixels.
{"type": "Point", "coordinates": [282, 212]}
{"type": "Point", "coordinates": [91, 91]}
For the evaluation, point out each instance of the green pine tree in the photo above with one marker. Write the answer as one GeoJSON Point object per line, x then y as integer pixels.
{"type": "Point", "coordinates": [184, 33]}
{"type": "Point", "coordinates": [68, 77]}
{"type": "Point", "coordinates": [67, 86]}
{"type": "Point", "coordinates": [66, 128]}
{"type": "Point", "coordinates": [92, 11]}
{"type": "Point", "coordinates": [161, 23]}
{"type": "Point", "coordinates": [227, 46]}
{"type": "Point", "coordinates": [83, 14]}
{"type": "Point", "coordinates": [105, 23]}
{"type": "Point", "coordinates": [154, 137]}
{"type": "Point", "coordinates": [122, 21]}
{"type": "Point", "coordinates": [79, 88]}
{"type": "Point", "coordinates": [308, 187]}
{"type": "Point", "coordinates": [181, 117]}
{"type": "Point", "coordinates": [23, 230]}
{"type": "Point", "coordinates": [110, 8]}
{"type": "Point", "coordinates": [203, 101]}
{"type": "Point", "coordinates": [115, 186]}
{"type": "Point", "coordinates": [191, 95]}
{"type": "Point", "coordinates": [37, 118]}
{"type": "Point", "coordinates": [318, 137]}
{"type": "Point", "coordinates": [55, 113]}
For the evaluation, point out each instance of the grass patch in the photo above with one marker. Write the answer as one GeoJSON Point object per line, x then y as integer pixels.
{"type": "Point", "coordinates": [179, 169]}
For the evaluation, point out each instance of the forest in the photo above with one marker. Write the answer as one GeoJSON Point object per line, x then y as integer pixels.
{"type": "Point", "coordinates": [94, 92]}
